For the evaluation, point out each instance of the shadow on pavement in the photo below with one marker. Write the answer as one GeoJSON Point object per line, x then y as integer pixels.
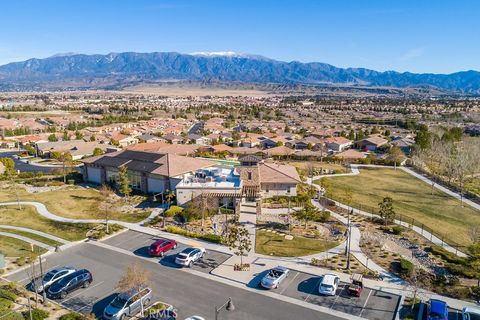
{"type": "Point", "coordinates": [310, 285]}
{"type": "Point", "coordinates": [255, 282]}
{"type": "Point", "coordinates": [100, 305]}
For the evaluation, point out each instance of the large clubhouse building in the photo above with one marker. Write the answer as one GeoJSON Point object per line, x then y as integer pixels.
{"type": "Point", "coordinates": [155, 173]}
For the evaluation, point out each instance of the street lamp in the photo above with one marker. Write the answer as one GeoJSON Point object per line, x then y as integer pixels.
{"type": "Point", "coordinates": [228, 306]}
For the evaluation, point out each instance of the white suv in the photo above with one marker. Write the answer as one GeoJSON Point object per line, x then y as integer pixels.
{"type": "Point", "coordinates": [329, 284]}
{"type": "Point", "coordinates": [189, 256]}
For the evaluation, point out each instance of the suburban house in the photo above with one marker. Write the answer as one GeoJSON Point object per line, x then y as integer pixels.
{"type": "Point", "coordinates": [371, 143]}
{"type": "Point", "coordinates": [267, 178]}
{"type": "Point", "coordinates": [223, 182]}
{"type": "Point", "coordinates": [148, 172]}
{"type": "Point", "coordinates": [338, 143]}
{"type": "Point", "coordinates": [77, 148]}
{"type": "Point", "coordinates": [148, 138]}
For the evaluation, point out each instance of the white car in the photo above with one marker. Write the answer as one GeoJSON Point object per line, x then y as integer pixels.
{"type": "Point", "coordinates": [50, 277]}
{"type": "Point", "coordinates": [329, 284]}
{"type": "Point", "coordinates": [189, 256]}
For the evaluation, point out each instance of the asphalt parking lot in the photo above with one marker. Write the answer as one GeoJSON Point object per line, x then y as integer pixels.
{"type": "Point", "coordinates": [189, 293]}
{"type": "Point", "coordinates": [372, 304]}
{"type": "Point", "coordinates": [138, 243]}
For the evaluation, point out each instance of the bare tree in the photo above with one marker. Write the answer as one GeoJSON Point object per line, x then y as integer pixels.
{"type": "Point", "coordinates": [108, 204]}
{"type": "Point", "coordinates": [135, 279]}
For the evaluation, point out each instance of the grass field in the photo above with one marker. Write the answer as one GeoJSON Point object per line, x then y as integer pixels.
{"type": "Point", "coordinates": [412, 198]}
{"type": "Point", "coordinates": [272, 244]}
{"type": "Point", "coordinates": [12, 247]}
{"type": "Point", "coordinates": [32, 236]}
{"type": "Point", "coordinates": [29, 218]}
{"type": "Point", "coordinates": [75, 203]}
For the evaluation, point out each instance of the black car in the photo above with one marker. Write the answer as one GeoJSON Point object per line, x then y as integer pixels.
{"type": "Point", "coordinates": [81, 278]}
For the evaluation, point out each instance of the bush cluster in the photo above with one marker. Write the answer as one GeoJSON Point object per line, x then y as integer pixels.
{"type": "Point", "coordinates": [207, 237]}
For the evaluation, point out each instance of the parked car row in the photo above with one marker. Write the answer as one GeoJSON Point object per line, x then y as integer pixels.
{"type": "Point", "coordinates": [59, 282]}
{"type": "Point", "coordinates": [186, 258]}
{"type": "Point", "coordinates": [438, 310]}
{"type": "Point", "coordinates": [328, 285]}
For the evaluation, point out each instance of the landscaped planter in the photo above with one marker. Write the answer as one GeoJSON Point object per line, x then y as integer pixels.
{"type": "Point", "coordinates": [158, 311]}
{"type": "Point", "coordinates": [241, 267]}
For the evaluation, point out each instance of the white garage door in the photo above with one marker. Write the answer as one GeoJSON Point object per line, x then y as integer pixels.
{"type": "Point", "coordinates": [94, 175]}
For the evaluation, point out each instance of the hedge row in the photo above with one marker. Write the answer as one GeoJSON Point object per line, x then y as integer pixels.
{"type": "Point", "coordinates": [207, 237]}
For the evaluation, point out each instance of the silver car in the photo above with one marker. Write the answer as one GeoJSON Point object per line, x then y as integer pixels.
{"type": "Point", "coordinates": [274, 276]}
{"type": "Point", "coordinates": [50, 277]}
{"type": "Point", "coordinates": [128, 304]}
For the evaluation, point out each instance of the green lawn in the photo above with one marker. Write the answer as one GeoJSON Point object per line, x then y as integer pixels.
{"type": "Point", "coordinates": [29, 218]}
{"type": "Point", "coordinates": [412, 198]}
{"type": "Point", "coordinates": [272, 244]}
{"type": "Point", "coordinates": [32, 236]}
{"type": "Point", "coordinates": [74, 202]}
{"type": "Point", "coordinates": [11, 247]}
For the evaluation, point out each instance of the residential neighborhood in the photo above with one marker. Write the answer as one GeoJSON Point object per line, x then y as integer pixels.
{"type": "Point", "coordinates": [241, 160]}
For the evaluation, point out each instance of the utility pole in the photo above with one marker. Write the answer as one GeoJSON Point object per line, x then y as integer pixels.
{"type": "Point", "coordinates": [44, 292]}
{"type": "Point", "coordinates": [349, 243]}
{"type": "Point", "coordinates": [348, 232]}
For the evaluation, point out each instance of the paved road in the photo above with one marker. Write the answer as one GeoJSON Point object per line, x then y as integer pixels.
{"type": "Point", "coordinates": [25, 167]}
{"type": "Point", "coordinates": [188, 292]}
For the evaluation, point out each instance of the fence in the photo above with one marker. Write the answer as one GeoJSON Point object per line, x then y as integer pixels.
{"type": "Point", "coordinates": [408, 222]}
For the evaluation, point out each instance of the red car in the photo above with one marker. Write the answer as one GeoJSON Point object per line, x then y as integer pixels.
{"type": "Point", "coordinates": [160, 247]}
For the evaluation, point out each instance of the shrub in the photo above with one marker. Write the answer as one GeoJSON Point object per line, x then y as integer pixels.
{"type": "Point", "coordinates": [397, 230]}
{"type": "Point", "coordinates": [21, 261]}
{"type": "Point", "coordinates": [5, 304]}
{"type": "Point", "coordinates": [72, 316]}
{"type": "Point", "coordinates": [173, 211]}
{"type": "Point", "coordinates": [447, 255]}
{"type": "Point", "coordinates": [37, 314]}
{"type": "Point", "coordinates": [8, 315]}
{"type": "Point", "coordinates": [406, 267]}
{"type": "Point", "coordinates": [7, 294]}
{"type": "Point", "coordinates": [207, 237]}
{"type": "Point", "coordinates": [211, 238]}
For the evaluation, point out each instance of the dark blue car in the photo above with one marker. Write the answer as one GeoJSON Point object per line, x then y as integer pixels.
{"type": "Point", "coordinates": [437, 310]}
{"type": "Point", "coordinates": [79, 279]}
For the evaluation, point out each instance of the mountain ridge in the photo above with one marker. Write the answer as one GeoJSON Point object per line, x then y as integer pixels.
{"type": "Point", "coordinates": [116, 70]}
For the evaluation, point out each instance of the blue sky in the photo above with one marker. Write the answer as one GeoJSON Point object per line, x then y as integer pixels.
{"type": "Point", "coordinates": [418, 36]}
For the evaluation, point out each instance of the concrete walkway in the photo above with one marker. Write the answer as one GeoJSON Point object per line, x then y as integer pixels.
{"type": "Point", "coordinates": [427, 235]}
{"type": "Point", "coordinates": [26, 239]}
{"type": "Point", "coordinates": [39, 233]}
{"type": "Point", "coordinates": [43, 211]}
{"type": "Point", "coordinates": [356, 251]}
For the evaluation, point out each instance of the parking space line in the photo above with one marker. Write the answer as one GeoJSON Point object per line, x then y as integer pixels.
{"type": "Point", "coordinates": [316, 286]}
{"type": "Point", "coordinates": [291, 281]}
{"type": "Point", "coordinates": [82, 291]}
{"type": "Point", "coordinates": [92, 303]}
{"type": "Point", "coordinates": [365, 304]}
{"type": "Point", "coordinates": [338, 295]}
